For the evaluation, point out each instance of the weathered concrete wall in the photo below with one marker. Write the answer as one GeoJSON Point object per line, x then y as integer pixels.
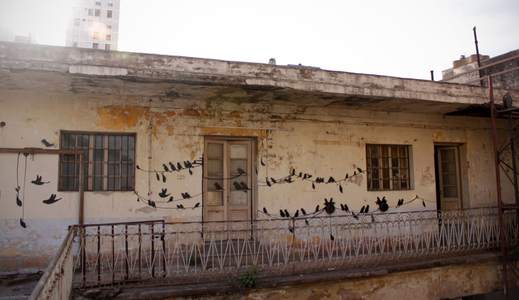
{"type": "Point", "coordinates": [447, 282]}
{"type": "Point", "coordinates": [327, 140]}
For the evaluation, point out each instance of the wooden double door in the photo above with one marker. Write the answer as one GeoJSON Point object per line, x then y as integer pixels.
{"type": "Point", "coordinates": [228, 179]}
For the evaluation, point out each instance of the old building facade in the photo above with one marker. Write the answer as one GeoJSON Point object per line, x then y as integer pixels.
{"type": "Point", "coordinates": [186, 139]}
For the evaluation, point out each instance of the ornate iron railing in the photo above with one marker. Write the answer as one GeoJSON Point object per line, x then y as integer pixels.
{"type": "Point", "coordinates": [56, 281]}
{"type": "Point", "coordinates": [204, 251]}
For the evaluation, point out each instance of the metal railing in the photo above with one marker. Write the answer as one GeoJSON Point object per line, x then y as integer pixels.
{"type": "Point", "coordinates": [193, 252]}
{"type": "Point", "coordinates": [56, 282]}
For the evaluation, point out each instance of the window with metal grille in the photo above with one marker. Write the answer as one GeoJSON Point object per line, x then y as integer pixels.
{"type": "Point", "coordinates": [109, 161]}
{"type": "Point", "coordinates": [388, 167]}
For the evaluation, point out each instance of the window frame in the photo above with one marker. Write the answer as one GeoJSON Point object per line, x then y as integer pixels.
{"type": "Point", "coordinates": [90, 161]}
{"type": "Point", "coordinates": [109, 14]}
{"type": "Point", "coordinates": [380, 167]}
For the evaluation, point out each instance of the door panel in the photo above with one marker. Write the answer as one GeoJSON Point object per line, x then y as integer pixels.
{"type": "Point", "coordinates": [227, 180]}
{"type": "Point", "coordinates": [449, 177]}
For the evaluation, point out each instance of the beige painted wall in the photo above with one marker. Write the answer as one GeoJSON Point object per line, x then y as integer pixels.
{"type": "Point", "coordinates": [315, 139]}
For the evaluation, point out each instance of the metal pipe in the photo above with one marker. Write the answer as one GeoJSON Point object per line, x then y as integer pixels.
{"type": "Point", "coordinates": [477, 53]}
{"type": "Point", "coordinates": [502, 237]}
{"type": "Point", "coordinates": [432, 75]}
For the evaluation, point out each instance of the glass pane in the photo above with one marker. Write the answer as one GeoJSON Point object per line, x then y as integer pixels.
{"type": "Point", "coordinates": [215, 168]}
{"type": "Point", "coordinates": [239, 151]}
{"type": "Point", "coordinates": [214, 151]}
{"type": "Point", "coordinates": [215, 198]}
{"type": "Point", "coordinates": [239, 198]}
{"type": "Point", "coordinates": [450, 191]}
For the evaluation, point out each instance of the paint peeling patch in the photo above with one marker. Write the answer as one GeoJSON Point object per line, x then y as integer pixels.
{"type": "Point", "coordinates": [427, 177]}
{"type": "Point", "coordinates": [121, 117]}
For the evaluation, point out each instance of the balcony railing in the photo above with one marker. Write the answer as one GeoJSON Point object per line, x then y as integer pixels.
{"type": "Point", "coordinates": [210, 251]}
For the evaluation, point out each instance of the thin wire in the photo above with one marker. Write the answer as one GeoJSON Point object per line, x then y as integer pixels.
{"type": "Point", "coordinates": [24, 180]}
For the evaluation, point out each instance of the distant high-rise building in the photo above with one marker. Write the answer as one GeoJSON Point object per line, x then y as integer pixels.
{"type": "Point", "coordinates": [94, 24]}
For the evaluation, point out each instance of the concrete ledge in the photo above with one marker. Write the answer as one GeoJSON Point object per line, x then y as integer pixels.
{"type": "Point", "coordinates": [490, 261]}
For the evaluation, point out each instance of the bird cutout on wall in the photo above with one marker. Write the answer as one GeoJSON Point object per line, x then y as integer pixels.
{"type": "Point", "coordinates": [244, 186]}
{"type": "Point", "coordinates": [400, 202]}
{"type": "Point", "coordinates": [236, 185]}
{"type": "Point", "coordinates": [180, 206]}
{"type": "Point", "coordinates": [47, 143]}
{"type": "Point", "coordinates": [163, 178]}
{"type": "Point", "coordinates": [241, 171]}
{"type": "Point", "coordinates": [291, 229]}
{"type": "Point", "coordinates": [52, 199]}
{"type": "Point", "coordinates": [217, 186]}
{"type": "Point", "coordinates": [165, 167]}
{"type": "Point", "coordinates": [296, 214]}
{"type": "Point", "coordinates": [38, 181]}
{"type": "Point", "coordinates": [317, 208]}
{"type": "Point", "coordinates": [265, 211]}
{"type": "Point", "coordinates": [157, 176]}
{"type": "Point", "coordinates": [18, 201]}
{"type": "Point", "coordinates": [362, 209]}
{"type": "Point", "coordinates": [267, 181]}
{"type": "Point", "coordinates": [196, 205]}
{"type": "Point", "coordinates": [152, 203]}
{"type": "Point", "coordinates": [22, 223]}
{"type": "Point", "coordinates": [303, 211]}
{"type": "Point", "coordinates": [282, 213]}
{"type": "Point", "coordinates": [164, 193]}
{"type": "Point", "coordinates": [329, 206]}
{"type": "Point", "coordinates": [382, 204]}
{"type": "Point", "coordinates": [340, 189]}
{"type": "Point", "coordinates": [287, 214]}
{"type": "Point", "coordinates": [332, 237]}
{"type": "Point", "coordinates": [170, 199]}
{"type": "Point", "coordinates": [186, 195]}
{"type": "Point", "coordinates": [262, 162]}
{"type": "Point", "coordinates": [172, 166]}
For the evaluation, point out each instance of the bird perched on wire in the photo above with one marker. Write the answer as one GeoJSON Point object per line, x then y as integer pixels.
{"type": "Point", "coordinates": [164, 193]}
{"type": "Point", "coordinates": [52, 199]}
{"type": "Point", "coordinates": [47, 143]}
{"type": "Point", "coordinates": [38, 181]}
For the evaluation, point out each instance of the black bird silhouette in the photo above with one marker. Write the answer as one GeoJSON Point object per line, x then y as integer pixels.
{"type": "Point", "coordinates": [179, 166]}
{"type": "Point", "coordinates": [186, 195]}
{"type": "Point", "coordinates": [300, 174]}
{"type": "Point", "coordinates": [331, 180]}
{"type": "Point", "coordinates": [265, 211]}
{"type": "Point", "coordinates": [296, 214]}
{"type": "Point", "coordinates": [22, 223]}
{"type": "Point", "coordinates": [262, 162]}
{"type": "Point", "coordinates": [158, 176]}
{"type": "Point", "coordinates": [163, 178]}
{"type": "Point", "coordinates": [165, 167]}
{"type": "Point", "coordinates": [340, 188]}
{"type": "Point", "coordinates": [38, 181]}
{"type": "Point", "coordinates": [287, 214]}
{"type": "Point", "coordinates": [291, 229]}
{"type": "Point", "coordinates": [317, 208]}
{"type": "Point", "coordinates": [240, 171]}
{"type": "Point", "coordinates": [152, 203]}
{"type": "Point", "coordinates": [237, 186]}
{"type": "Point", "coordinates": [196, 205]}
{"type": "Point", "coordinates": [313, 186]}
{"type": "Point", "coordinates": [306, 222]}
{"type": "Point", "coordinates": [180, 206]}
{"type": "Point", "coordinates": [18, 201]}
{"type": "Point", "coordinates": [217, 186]}
{"type": "Point", "coordinates": [423, 203]}
{"type": "Point", "coordinates": [293, 172]}
{"type": "Point", "coordinates": [400, 202]}
{"type": "Point", "coordinates": [329, 206]}
{"type": "Point", "coordinates": [244, 186]}
{"type": "Point", "coordinates": [172, 166]}
{"type": "Point", "coordinates": [362, 209]}
{"type": "Point", "coordinates": [46, 143]}
{"type": "Point", "coordinates": [367, 209]}
{"type": "Point", "coordinates": [332, 237]}
{"type": "Point", "coordinates": [359, 169]}
{"type": "Point", "coordinates": [188, 164]}
{"type": "Point", "coordinates": [268, 182]}
{"type": "Point", "coordinates": [273, 180]}
{"type": "Point", "coordinates": [346, 177]}
{"type": "Point", "coordinates": [342, 206]}
{"type": "Point", "coordinates": [303, 211]}
{"type": "Point", "coordinates": [17, 189]}
{"type": "Point", "coordinates": [137, 167]}
{"type": "Point", "coordinates": [164, 193]}
{"type": "Point", "coordinates": [52, 199]}
{"type": "Point", "coordinates": [281, 213]}
{"type": "Point", "coordinates": [346, 208]}
{"type": "Point", "coordinates": [190, 171]}
{"type": "Point", "coordinates": [382, 204]}
{"type": "Point", "coordinates": [289, 179]}
{"type": "Point", "coordinates": [354, 173]}
{"type": "Point", "coordinates": [170, 199]}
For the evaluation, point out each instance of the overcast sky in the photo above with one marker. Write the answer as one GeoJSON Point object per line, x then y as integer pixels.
{"type": "Point", "coordinates": [405, 38]}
